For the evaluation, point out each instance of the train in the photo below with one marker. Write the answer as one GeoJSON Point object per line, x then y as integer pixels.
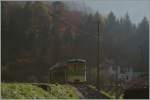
{"type": "Point", "coordinates": [71, 71]}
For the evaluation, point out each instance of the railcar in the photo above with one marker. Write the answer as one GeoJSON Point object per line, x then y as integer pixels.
{"type": "Point", "coordinates": [73, 70]}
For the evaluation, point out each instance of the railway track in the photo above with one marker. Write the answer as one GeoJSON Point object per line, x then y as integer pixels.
{"type": "Point", "coordinates": [88, 92]}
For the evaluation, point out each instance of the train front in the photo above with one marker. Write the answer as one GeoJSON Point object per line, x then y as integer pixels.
{"type": "Point", "coordinates": [76, 70]}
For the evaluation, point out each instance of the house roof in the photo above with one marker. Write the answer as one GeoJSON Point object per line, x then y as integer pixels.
{"type": "Point", "coordinates": [57, 65]}
{"type": "Point", "coordinates": [62, 65]}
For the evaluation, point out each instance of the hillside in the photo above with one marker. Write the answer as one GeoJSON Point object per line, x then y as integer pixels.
{"type": "Point", "coordinates": [29, 91]}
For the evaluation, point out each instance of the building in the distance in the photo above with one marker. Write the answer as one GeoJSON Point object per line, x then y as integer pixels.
{"type": "Point", "coordinates": [120, 73]}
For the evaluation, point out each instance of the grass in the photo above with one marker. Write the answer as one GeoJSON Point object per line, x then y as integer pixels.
{"type": "Point", "coordinates": [107, 94]}
{"type": "Point", "coordinates": [110, 95]}
{"type": "Point", "coordinates": [28, 91]}
{"type": "Point", "coordinates": [102, 92]}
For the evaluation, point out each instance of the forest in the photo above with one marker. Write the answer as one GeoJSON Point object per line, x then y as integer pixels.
{"type": "Point", "coordinates": [36, 35]}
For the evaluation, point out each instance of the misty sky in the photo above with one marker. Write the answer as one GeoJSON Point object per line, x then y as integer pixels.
{"type": "Point", "coordinates": [136, 9]}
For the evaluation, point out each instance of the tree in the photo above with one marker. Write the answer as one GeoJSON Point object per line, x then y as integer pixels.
{"type": "Point", "coordinates": [143, 42]}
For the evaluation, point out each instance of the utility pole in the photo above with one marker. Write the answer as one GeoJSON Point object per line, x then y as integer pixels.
{"type": "Point", "coordinates": [141, 56]}
{"type": "Point", "coordinates": [98, 58]}
{"type": "Point", "coordinates": [99, 51]}
{"type": "Point", "coordinates": [116, 95]}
